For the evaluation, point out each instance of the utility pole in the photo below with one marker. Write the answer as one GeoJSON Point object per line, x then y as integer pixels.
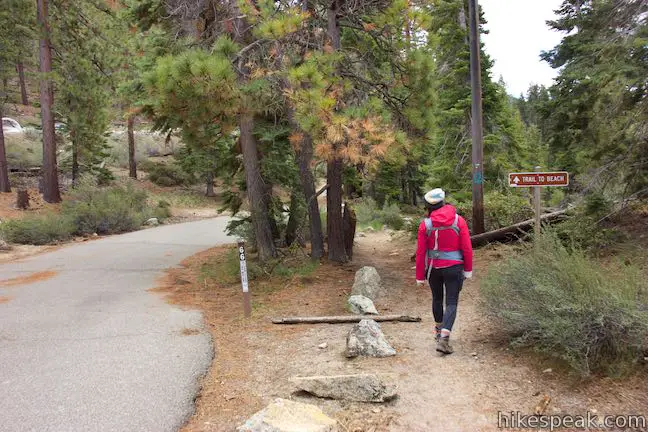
{"type": "Point", "coordinates": [477, 121]}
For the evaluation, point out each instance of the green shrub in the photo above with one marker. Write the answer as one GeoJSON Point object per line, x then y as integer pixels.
{"type": "Point", "coordinates": [109, 210]}
{"type": "Point", "coordinates": [563, 304]}
{"type": "Point", "coordinates": [391, 216]}
{"type": "Point", "coordinates": [168, 175]}
{"type": "Point", "coordinates": [162, 210]}
{"type": "Point", "coordinates": [38, 230]}
{"type": "Point", "coordinates": [366, 210]}
{"type": "Point", "coordinates": [369, 215]}
{"type": "Point", "coordinates": [500, 209]}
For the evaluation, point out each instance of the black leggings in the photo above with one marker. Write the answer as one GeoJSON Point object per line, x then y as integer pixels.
{"type": "Point", "coordinates": [452, 278]}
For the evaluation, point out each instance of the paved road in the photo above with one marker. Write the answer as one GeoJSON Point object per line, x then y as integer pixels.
{"type": "Point", "coordinates": [90, 349]}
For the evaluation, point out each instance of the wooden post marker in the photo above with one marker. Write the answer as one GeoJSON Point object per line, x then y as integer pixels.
{"type": "Point", "coordinates": [536, 180]}
{"type": "Point", "coordinates": [247, 307]}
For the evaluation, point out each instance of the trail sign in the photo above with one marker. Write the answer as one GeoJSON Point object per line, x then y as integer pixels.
{"type": "Point", "coordinates": [529, 179]}
{"type": "Point", "coordinates": [536, 180]}
{"type": "Point", "coordinates": [247, 309]}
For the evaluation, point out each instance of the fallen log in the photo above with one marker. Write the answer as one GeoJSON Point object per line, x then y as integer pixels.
{"type": "Point", "coordinates": [344, 319]}
{"type": "Point", "coordinates": [520, 227]}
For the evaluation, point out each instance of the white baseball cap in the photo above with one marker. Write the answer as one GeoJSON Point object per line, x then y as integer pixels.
{"type": "Point", "coordinates": [435, 196]}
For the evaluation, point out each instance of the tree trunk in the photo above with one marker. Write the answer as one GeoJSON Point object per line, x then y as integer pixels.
{"type": "Point", "coordinates": [75, 157]}
{"type": "Point", "coordinates": [295, 216]}
{"type": "Point", "coordinates": [22, 199]}
{"type": "Point", "coordinates": [334, 223]}
{"type": "Point", "coordinates": [344, 319]}
{"type": "Point", "coordinates": [51, 192]}
{"type": "Point", "coordinates": [349, 224]}
{"type": "Point", "coordinates": [210, 185]}
{"type": "Point", "coordinates": [21, 80]}
{"type": "Point", "coordinates": [256, 190]}
{"type": "Point", "coordinates": [5, 186]}
{"type": "Point", "coordinates": [132, 163]}
{"type": "Point", "coordinates": [304, 158]}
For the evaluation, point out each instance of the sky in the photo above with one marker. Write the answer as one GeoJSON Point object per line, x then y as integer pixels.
{"type": "Point", "coordinates": [517, 35]}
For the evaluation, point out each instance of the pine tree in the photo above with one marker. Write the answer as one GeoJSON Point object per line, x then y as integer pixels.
{"type": "Point", "coordinates": [51, 191]}
{"type": "Point", "coordinates": [597, 111]}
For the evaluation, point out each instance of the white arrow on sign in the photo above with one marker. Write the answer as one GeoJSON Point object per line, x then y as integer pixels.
{"type": "Point", "coordinates": [516, 180]}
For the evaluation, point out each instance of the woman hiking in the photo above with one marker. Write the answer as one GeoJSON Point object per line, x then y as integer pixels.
{"type": "Point", "coordinates": [444, 257]}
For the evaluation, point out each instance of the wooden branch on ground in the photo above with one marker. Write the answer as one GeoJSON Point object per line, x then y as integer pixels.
{"type": "Point", "coordinates": [521, 227]}
{"type": "Point", "coordinates": [344, 319]}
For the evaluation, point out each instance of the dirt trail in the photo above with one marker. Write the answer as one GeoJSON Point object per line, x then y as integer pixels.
{"type": "Point", "coordinates": [461, 392]}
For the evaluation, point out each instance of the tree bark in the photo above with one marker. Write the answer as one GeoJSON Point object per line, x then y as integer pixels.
{"type": "Point", "coordinates": [22, 199]}
{"type": "Point", "coordinates": [293, 219]}
{"type": "Point", "coordinates": [5, 186]}
{"type": "Point", "coordinates": [349, 228]}
{"type": "Point", "coordinates": [132, 163]}
{"type": "Point", "coordinates": [334, 222]}
{"type": "Point", "coordinates": [344, 319]}
{"type": "Point", "coordinates": [21, 80]}
{"type": "Point", "coordinates": [75, 156]}
{"type": "Point", "coordinates": [210, 185]}
{"type": "Point", "coordinates": [256, 190]}
{"type": "Point", "coordinates": [51, 192]}
{"type": "Point", "coordinates": [304, 158]}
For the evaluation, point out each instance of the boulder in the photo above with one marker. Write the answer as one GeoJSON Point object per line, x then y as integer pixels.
{"type": "Point", "coordinates": [367, 283]}
{"type": "Point", "coordinates": [284, 415]}
{"type": "Point", "coordinates": [367, 339]}
{"type": "Point", "coordinates": [4, 246]}
{"type": "Point", "coordinates": [357, 388]}
{"type": "Point", "coordinates": [152, 222]}
{"type": "Point", "coordinates": [361, 305]}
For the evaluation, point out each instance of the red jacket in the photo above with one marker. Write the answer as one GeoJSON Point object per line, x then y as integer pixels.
{"type": "Point", "coordinates": [448, 241]}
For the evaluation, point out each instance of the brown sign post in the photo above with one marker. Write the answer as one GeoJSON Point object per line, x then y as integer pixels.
{"type": "Point", "coordinates": [247, 307]}
{"type": "Point", "coordinates": [536, 180]}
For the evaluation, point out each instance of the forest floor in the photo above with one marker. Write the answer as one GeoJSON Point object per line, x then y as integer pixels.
{"type": "Point", "coordinates": [464, 391]}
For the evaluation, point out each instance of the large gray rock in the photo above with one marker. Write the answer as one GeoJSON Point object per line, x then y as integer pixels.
{"type": "Point", "coordinates": [367, 339]}
{"type": "Point", "coordinates": [358, 388]}
{"type": "Point", "coordinates": [284, 415]}
{"type": "Point", "coordinates": [367, 283]}
{"type": "Point", "coordinates": [4, 246]}
{"type": "Point", "coordinates": [152, 222]}
{"type": "Point", "coordinates": [361, 305]}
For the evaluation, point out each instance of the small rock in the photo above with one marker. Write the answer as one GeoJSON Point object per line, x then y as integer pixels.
{"type": "Point", "coordinates": [357, 388]}
{"type": "Point", "coordinates": [322, 345]}
{"type": "Point", "coordinates": [362, 234]}
{"type": "Point", "coordinates": [229, 397]}
{"type": "Point", "coordinates": [376, 410]}
{"type": "Point", "coordinates": [536, 394]}
{"type": "Point", "coordinates": [646, 359]}
{"type": "Point", "coordinates": [287, 416]}
{"type": "Point", "coordinates": [548, 370]}
{"type": "Point", "coordinates": [474, 354]}
{"type": "Point", "coordinates": [393, 254]}
{"type": "Point", "coordinates": [4, 246]}
{"type": "Point", "coordinates": [367, 339]}
{"type": "Point", "coordinates": [367, 283]}
{"type": "Point", "coordinates": [152, 222]}
{"type": "Point", "coordinates": [593, 411]}
{"type": "Point", "coordinates": [95, 235]}
{"type": "Point", "coordinates": [361, 305]}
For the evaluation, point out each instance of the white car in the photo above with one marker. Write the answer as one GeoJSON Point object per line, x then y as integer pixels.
{"type": "Point", "coordinates": [11, 126]}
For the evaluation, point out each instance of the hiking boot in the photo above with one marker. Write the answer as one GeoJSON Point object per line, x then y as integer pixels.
{"type": "Point", "coordinates": [443, 346]}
